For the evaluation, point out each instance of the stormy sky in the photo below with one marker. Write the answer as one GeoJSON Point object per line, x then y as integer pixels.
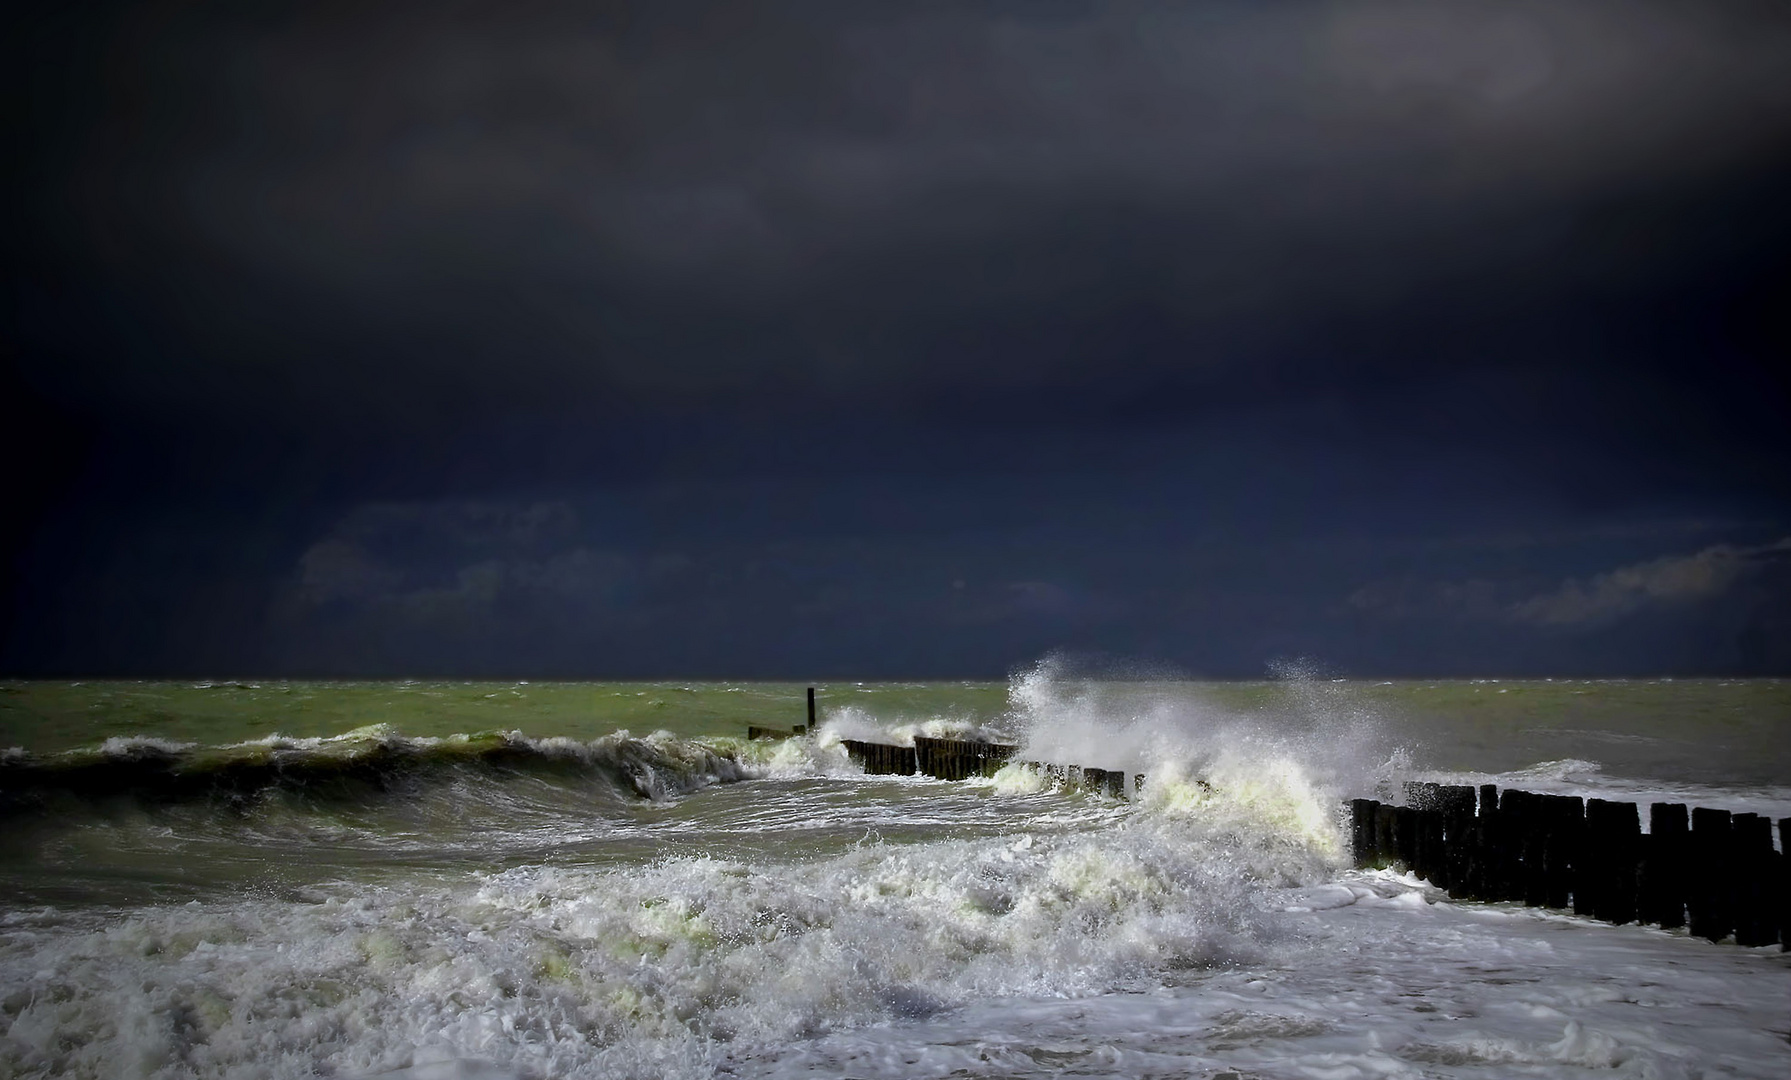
{"type": "Point", "coordinates": [862, 339]}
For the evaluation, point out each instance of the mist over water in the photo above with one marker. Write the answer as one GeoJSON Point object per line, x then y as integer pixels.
{"type": "Point", "coordinates": [489, 902]}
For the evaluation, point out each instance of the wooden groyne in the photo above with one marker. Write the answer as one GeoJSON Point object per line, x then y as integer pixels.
{"type": "Point", "coordinates": [1709, 870]}
{"type": "Point", "coordinates": [961, 759]}
{"type": "Point", "coordinates": [955, 759]}
{"type": "Point", "coordinates": [944, 759]}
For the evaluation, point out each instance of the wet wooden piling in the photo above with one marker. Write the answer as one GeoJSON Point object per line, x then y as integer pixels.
{"type": "Point", "coordinates": [1660, 885]}
{"type": "Point", "coordinates": [1707, 905]}
{"type": "Point", "coordinates": [880, 759]}
{"type": "Point", "coordinates": [1483, 844]}
{"type": "Point", "coordinates": [1784, 884]}
{"type": "Point", "coordinates": [1721, 875]}
{"type": "Point", "coordinates": [1527, 837]}
{"type": "Point", "coordinates": [1756, 923]}
{"type": "Point", "coordinates": [1361, 832]}
{"type": "Point", "coordinates": [1386, 834]}
{"type": "Point", "coordinates": [959, 759]}
{"type": "Point", "coordinates": [1563, 844]}
{"type": "Point", "coordinates": [1613, 847]}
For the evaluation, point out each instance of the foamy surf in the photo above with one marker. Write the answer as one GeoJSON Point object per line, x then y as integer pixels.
{"type": "Point", "coordinates": [502, 905]}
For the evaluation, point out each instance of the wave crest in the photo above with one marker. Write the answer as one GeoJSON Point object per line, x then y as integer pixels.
{"type": "Point", "coordinates": [367, 761]}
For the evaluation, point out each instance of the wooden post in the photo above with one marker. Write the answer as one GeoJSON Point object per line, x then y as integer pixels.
{"type": "Point", "coordinates": [1492, 843]}
{"type": "Point", "coordinates": [1427, 842]}
{"type": "Point", "coordinates": [1510, 842]}
{"type": "Point", "coordinates": [1405, 836]}
{"type": "Point", "coordinates": [1436, 854]}
{"type": "Point", "coordinates": [1590, 872]}
{"type": "Point", "coordinates": [1361, 830]}
{"type": "Point", "coordinates": [811, 712]}
{"type": "Point", "coordinates": [1386, 834]}
{"type": "Point", "coordinates": [1531, 841]}
{"type": "Point", "coordinates": [1613, 832]}
{"type": "Point", "coordinates": [1481, 832]}
{"type": "Point", "coordinates": [1784, 897]}
{"type": "Point", "coordinates": [1564, 848]}
{"type": "Point", "coordinates": [1708, 902]}
{"type": "Point", "coordinates": [877, 759]}
{"type": "Point", "coordinates": [1458, 838]}
{"type": "Point", "coordinates": [1660, 890]}
{"type": "Point", "coordinates": [1752, 871]}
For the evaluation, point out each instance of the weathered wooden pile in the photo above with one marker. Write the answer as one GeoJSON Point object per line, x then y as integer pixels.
{"type": "Point", "coordinates": [955, 759]}
{"type": "Point", "coordinates": [1712, 870]}
{"type": "Point", "coordinates": [945, 759]}
{"type": "Point", "coordinates": [881, 759]}
{"type": "Point", "coordinates": [961, 759]}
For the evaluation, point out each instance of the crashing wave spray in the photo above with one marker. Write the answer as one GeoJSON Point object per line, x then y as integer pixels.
{"type": "Point", "coordinates": [1291, 763]}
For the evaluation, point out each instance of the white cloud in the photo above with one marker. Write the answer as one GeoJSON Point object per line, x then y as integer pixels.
{"type": "Point", "coordinates": [1670, 580]}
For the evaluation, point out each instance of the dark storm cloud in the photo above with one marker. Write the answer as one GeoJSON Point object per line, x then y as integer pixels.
{"type": "Point", "coordinates": [898, 338]}
{"type": "Point", "coordinates": [677, 198]}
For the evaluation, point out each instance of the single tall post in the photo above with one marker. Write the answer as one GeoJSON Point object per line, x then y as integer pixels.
{"type": "Point", "coordinates": [811, 712]}
{"type": "Point", "coordinates": [1664, 870]}
{"type": "Point", "coordinates": [1710, 913]}
{"type": "Point", "coordinates": [1565, 848]}
{"type": "Point", "coordinates": [1361, 830]}
{"type": "Point", "coordinates": [1784, 867]}
{"type": "Point", "coordinates": [1756, 923]}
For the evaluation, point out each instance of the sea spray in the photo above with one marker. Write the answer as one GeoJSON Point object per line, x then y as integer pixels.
{"type": "Point", "coordinates": [1293, 763]}
{"type": "Point", "coordinates": [557, 970]}
{"type": "Point", "coordinates": [854, 721]}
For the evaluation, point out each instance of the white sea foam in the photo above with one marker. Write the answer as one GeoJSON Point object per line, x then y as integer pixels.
{"type": "Point", "coordinates": [647, 970]}
{"type": "Point", "coordinates": [858, 722]}
{"type": "Point", "coordinates": [991, 928]}
{"type": "Point", "coordinates": [134, 746]}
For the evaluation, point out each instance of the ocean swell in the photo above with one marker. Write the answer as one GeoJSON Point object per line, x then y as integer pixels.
{"type": "Point", "coordinates": [367, 763]}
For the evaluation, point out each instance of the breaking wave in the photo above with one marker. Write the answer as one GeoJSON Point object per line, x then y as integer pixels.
{"type": "Point", "coordinates": [361, 764]}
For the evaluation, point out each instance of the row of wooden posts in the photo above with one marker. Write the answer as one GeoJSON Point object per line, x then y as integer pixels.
{"type": "Point", "coordinates": [958, 759]}
{"type": "Point", "coordinates": [961, 759]}
{"type": "Point", "coordinates": [1710, 870]}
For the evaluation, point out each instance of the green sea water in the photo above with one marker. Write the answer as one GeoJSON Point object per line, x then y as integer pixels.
{"type": "Point", "coordinates": [1704, 729]}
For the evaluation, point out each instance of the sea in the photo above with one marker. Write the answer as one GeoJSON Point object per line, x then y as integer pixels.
{"type": "Point", "coordinates": [438, 879]}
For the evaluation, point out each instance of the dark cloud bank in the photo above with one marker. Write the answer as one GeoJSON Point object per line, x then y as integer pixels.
{"type": "Point", "coordinates": [871, 339]}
